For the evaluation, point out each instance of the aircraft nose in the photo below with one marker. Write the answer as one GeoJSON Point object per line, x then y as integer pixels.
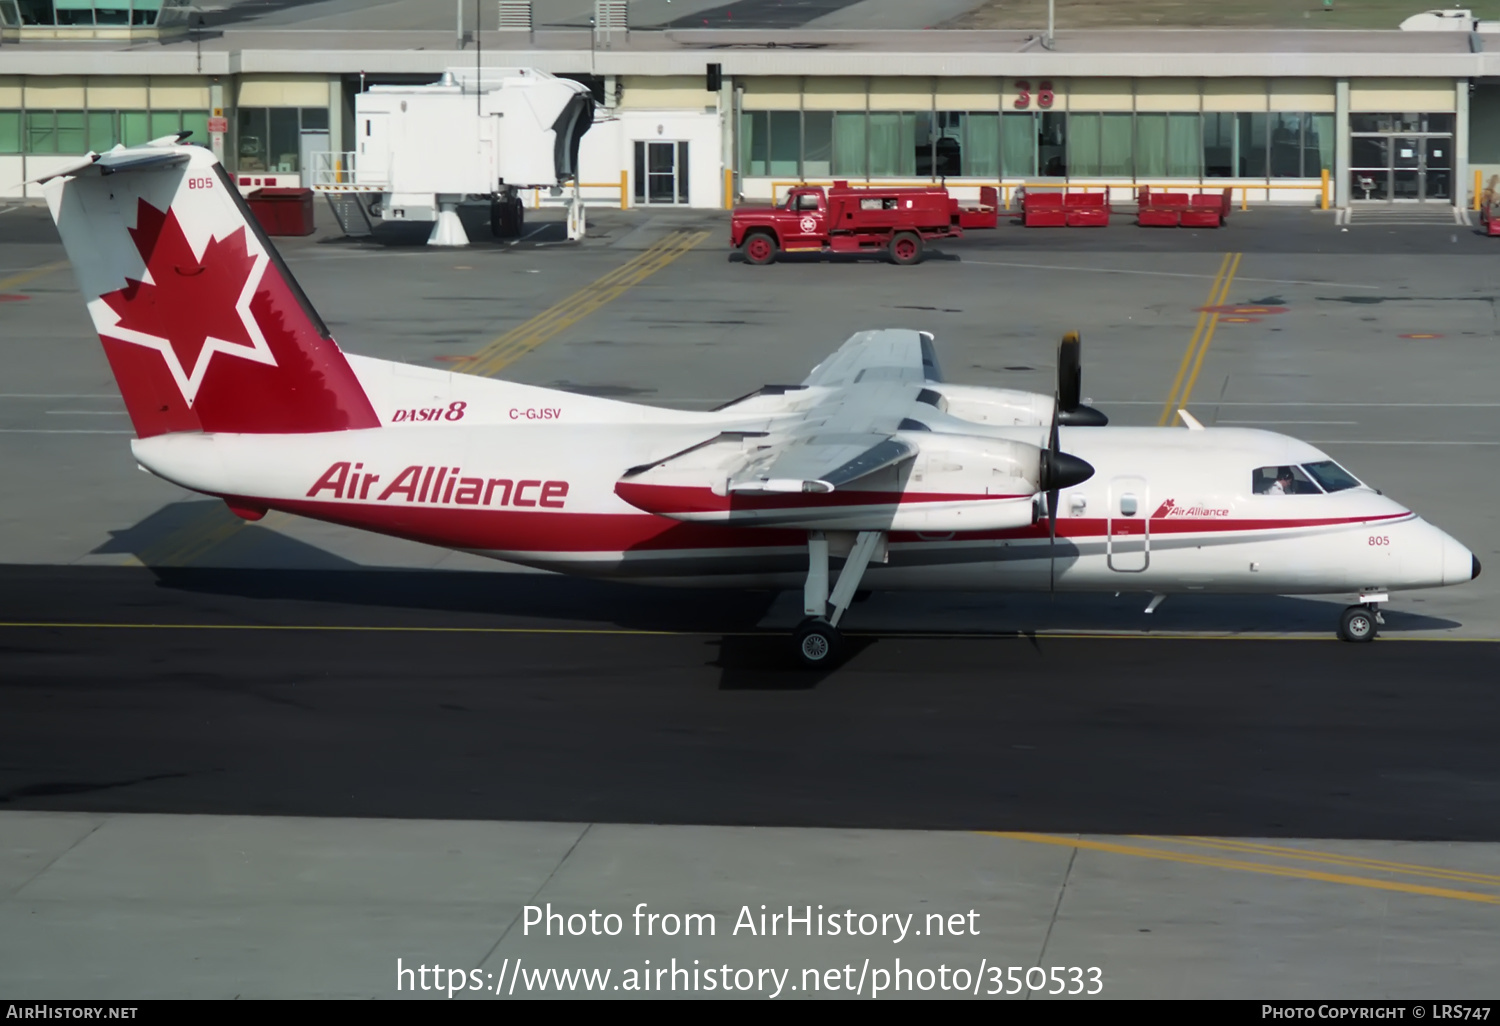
{"type": "Point", "coordinates": [1459, 564]}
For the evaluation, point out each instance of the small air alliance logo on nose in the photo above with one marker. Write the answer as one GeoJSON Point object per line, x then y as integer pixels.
{"type": "Point", "coordinates": [188, 306]}
{"type": "Point", "coordinates": [1171, 509]}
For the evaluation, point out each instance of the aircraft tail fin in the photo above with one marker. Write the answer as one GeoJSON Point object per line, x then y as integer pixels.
{"type": "Point", "coordinates": [203, 324]}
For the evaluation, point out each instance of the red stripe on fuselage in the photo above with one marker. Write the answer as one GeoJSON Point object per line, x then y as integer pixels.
{"type": "Point", "coordinates": [509, 530]}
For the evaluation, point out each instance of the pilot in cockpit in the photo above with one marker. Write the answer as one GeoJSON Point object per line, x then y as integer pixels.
{"type": "Point", "coordinates": [1284, 483]}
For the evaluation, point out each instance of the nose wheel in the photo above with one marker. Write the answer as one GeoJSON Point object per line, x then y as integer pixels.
{"type": "Point", "coordinates": [1360, 623]}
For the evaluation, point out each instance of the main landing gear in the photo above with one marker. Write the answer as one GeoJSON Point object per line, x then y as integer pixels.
{"type": "Point", "coordinates": [817, 640]}
{"type": "Point", "coordinates": [1362, 622]}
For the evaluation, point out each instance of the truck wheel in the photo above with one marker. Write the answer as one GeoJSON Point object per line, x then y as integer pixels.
{"type": "Point", "coordinates": [760, 248]}
{"type": "Point", "coordinates": [906, 248]}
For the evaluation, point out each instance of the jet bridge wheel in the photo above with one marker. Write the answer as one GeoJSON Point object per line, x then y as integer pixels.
{"type": "Point", "coordinates": [1357, 624]}
{"type": "Point", "coordinates": [507, 216]}
{"type": "Point", "coordinates": [819, 644]}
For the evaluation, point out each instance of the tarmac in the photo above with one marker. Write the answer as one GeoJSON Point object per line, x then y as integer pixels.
{"type": "Point", "coordinates": [271, 759]}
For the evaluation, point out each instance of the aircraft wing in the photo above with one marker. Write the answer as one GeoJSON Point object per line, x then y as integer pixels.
{"type": "Point", "coordinates": [889, 354]}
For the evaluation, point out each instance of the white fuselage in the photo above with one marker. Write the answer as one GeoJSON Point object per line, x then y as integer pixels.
{"type": "Point", "coordinates": [529, 475]}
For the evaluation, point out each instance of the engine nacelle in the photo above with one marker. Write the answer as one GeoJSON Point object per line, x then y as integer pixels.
{"type": "Point", "coordinates": [1001, 407]}
{"type": "Point", "coordinates": [954, 483]}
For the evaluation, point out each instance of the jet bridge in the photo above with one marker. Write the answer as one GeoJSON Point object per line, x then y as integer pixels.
{"type": "Point", "coordinates": [419, 151]}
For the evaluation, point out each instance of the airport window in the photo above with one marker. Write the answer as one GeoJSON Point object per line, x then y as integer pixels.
{"type": "Point", "coordinates": [270, 138]}
{"type": "Point", "coordinates": [1018, 145]}
{"type": "Point", "coordinates": [76, 131]}
{"type": "Point", "coordinates": [952, 143]}
{"type": "Point", "coordinates": [1283, 480]}
{"type": "Point", "coordinates": [81, 13]}
{"type": "Point", "coordinates": [1052, 144]}
{"type": "Point", "coordinates": [1405, 124]}
{"type": "Point", "coordinates": [754, 143]}
{"type": "Point", "coordinates": [10, 131]}
{"type": "Point", "coordinates": [849, 143]}
{"type": "Point", "coordinates": [981, 145]}
{"type": "Point", "coordinates": [786, 142]}
{"type": "Point", "coordinates": [1100, 145]}
{"type": "Point", "coordinates": [817, 143]}
{"type": "Point", "coordinates": [1301, 145]}
{"type": "Point", "coordinates": [891, 136]}
{"type": "Point", "coordinates": [55, 131]}
{"type": "Point", "coordinates": [1146, 146]}
{"type": "Point", "coordinates": [771, 143]}
{"type": "Point", "coordinates": [1331, 476]}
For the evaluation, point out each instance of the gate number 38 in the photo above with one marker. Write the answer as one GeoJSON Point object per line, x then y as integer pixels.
{"type": "Point", "coordinates": [1380, 539]}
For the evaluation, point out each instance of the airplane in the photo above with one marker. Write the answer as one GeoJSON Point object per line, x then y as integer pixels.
{"type": "Point", "coordinates": [874, 464]}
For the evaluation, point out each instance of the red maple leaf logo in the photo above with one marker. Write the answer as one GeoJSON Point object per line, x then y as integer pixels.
{"type": "Point", "coordinates": [194, 305]}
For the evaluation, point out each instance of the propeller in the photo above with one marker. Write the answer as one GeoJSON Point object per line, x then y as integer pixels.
{"type": "Point", "coordinates": [1059, 469]}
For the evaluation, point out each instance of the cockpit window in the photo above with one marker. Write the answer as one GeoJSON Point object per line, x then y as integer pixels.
{"type": "Point", "coordinates": [1285, 480]}
{"type": "Point", "coordinates": [1331, 476]}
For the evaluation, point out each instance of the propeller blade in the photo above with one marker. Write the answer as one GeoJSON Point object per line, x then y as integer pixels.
{"type": "Point", "coordinates": [1047, 475]}
{"type": "Point", "coordinates": [1059, 469]}
{"type": "Point", "coordinates": [1069, 373]}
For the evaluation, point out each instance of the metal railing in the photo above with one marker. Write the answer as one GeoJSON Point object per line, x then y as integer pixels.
{"type": "Point", "coordinates": [1009, 187]}
{"type": "Point", "coordinates": [338, 171]}
{"type": "Point", "coordinates": [620, 188]}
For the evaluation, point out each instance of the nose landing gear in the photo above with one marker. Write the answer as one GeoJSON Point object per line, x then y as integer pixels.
{"type": "Point", "coordinates": [1362, 622]}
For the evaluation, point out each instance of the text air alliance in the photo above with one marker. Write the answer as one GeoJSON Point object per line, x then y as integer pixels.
{"type": "Point", "coordinates": [440, 486]}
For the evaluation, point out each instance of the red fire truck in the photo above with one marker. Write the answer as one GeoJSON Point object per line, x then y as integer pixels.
{"type": "Point", "coordinates": [896, 220]}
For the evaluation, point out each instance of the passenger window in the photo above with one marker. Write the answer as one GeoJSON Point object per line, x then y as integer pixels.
{"type": "Point", "coordinates": [1331, 476]}
{"type": "Point", "coordinates": [1128, 505]}
{"type": "Point", "coordinates": [1285, 480]}
{"type": "Point", "coordinates": [807, 202]}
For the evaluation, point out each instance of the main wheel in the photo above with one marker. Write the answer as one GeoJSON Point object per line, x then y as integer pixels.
{"type": "Point", "coordinates": [1357, 624]}
{"type": "Point", "coordinates": [760, 248]}
{"type": "Point", "coordinates": [906, 248]}
{"type": "Point", "coordinates": [819, 644]}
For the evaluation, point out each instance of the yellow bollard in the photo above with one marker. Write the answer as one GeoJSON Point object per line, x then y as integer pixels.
{"type": "Point", "coordinates": [1478, 186]}
{"type": "Point", "coordinates": [624, 190]}
{"type": "Point", "coordinates": [729, 188]}
{"type": "Point", "coordinates": [1325, 188]}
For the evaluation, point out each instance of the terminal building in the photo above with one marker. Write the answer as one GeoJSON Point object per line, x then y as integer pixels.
{"type": "Point", "coordinates": [705, 117]}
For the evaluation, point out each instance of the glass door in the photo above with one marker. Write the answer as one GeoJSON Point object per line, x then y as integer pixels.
{"type": "Point", "coordinates": [1370, 167]}
{"type": "Point", "coordinates": [661, 172]}
{"type": "Point", "coordinates": [1406, 168]}
{"type": "Point", "coordinates": [1437, 168]}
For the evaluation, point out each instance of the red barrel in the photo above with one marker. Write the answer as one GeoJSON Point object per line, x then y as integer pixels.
{"type": "Point", "coordinates": [283, 211]}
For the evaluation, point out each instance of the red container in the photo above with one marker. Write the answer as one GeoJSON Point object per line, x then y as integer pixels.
{"type": "Point", "coordinates": [283, 211]}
